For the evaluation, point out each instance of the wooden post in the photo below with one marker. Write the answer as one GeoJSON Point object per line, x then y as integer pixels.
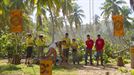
{"type": "Point", "coordinates": [132, 52]}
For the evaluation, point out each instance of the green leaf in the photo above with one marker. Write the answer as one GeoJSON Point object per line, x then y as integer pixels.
{"type": "Point", "coordinates": [35, 1]}
{"type": "Point", "coordinates": [132, 72]}
{"type": "Point", "coordinates": [0, 11]}
{"type": "Point", "coordinates": [6, 2]}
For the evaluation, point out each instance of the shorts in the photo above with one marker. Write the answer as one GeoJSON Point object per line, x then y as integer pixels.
{"type": "Point", "coordinates": [66, 53]}
{"type": "Point", "coordinates": [29, 52]}
{"type": "Point", "coordinates": [99, 54]}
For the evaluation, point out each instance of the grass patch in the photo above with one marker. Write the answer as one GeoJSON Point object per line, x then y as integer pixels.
{"type": "Point", "coordinates": [22, 69]}
{"type": "Point", "coordinates": [8, 68]}
{"type": "Point", "coordinates": [132, 72]}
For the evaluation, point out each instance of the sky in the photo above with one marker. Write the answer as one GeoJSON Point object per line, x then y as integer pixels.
{"type": "Point", "coordinates": [97, 5]}
{"type": "Point", "coordinates": [84, 4]}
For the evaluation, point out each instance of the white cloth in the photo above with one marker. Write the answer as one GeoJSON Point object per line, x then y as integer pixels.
{"type": "Point", "coordinates": [53, 45]}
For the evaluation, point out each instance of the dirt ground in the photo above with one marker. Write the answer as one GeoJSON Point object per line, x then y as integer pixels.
{"type": "Point", "coordinates": [108, 69]}
{"type": "Point", "coordinates": [100, 70]}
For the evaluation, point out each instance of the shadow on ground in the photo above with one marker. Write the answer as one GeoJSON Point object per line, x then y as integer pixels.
{"type": "Point", "coordinates": [68, 67]}
{"type": "Point", "coordinates": [8, 68]}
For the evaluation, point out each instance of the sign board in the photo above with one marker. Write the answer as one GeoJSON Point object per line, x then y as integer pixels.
{"type": "Point", "coordinates": [118, 21]}
{"type": "Point", "coordinates": [45, 67]}
{"type": "Point", "coordinates": [16, 20]}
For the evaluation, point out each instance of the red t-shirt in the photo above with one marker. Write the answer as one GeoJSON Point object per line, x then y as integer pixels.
{"type": "Point", "coordinates": [89, 43]}
{"type": "Point", "coordinates": [99, 44]}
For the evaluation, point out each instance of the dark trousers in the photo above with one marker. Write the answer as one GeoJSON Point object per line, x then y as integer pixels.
{"type": "Point", "coordinates": [66, 54]}
{"type": "Point", "coordinates": [88, 51]}
{"type": "Point", "coordinates": [29, 52]}
{"type": "Point", "coordinates": [40, 51]}
{"type": "Point", "coordinates": [75, 56]}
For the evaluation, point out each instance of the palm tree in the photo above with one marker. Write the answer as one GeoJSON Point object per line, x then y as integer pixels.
{"type": "Point", "coordinates": [76, 18]}
{"type": "Point", "coordinates": [111, 7]}
{"type": "Point", "coordinates": [132, 3]}
{"type": "Point", "coordinates": [27, 6]}
{"type": "Point", "coordinates": [97, 23]}
{"type": "Point", "coordinates": [126, 12]}
{"type": "Point", "coordinates": [67, 8]}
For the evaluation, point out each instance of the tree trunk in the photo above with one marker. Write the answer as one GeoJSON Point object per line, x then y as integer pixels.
{"type": "Point", "coordinates": [52, 18]}
{"type": "Point", "coordinates": [16, 59]}
{"type": "Point", "coordinates": [120, 61]}
{"type": "Point", "coordinates": [16, 56]}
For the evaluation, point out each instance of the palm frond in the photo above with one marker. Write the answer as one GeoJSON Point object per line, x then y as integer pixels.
{"type": "Point", "coordinates": [121, 2]}
{"type": "Point", "coordinates": [132, 3]}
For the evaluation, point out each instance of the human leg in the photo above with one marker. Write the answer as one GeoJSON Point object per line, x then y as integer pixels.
{"type": "Point", "coordinates": [97, 57]}
{"type": "Point", "coordinates": [86, 56]}
{"type": "Point", "coordinates": [91, 62]}
{"type": "Point", "coordinates": [101, 57]}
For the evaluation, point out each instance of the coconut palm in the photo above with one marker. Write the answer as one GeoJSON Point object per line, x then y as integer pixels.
{"type": "Point", "coordinates": [127, 19]}
{"type": "Point", "coordinates": [97, 23]}
{"type": "Point", "coordinates": [132, 3]}
{"type": "Point", "coordinates": [76, 17]}
{"type": "Point", "coordinates": [28, 7]}
{"type": "Point", "coordinates": [111, 7]}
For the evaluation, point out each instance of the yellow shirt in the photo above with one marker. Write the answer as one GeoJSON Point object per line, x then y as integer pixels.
{"type": "Point", "coordinates": [74, 45]}
{"type": "Point", "coordinates": [40, 42]}
{"type": "Point", "coordinates": [29, 41]}
{"type": "Point", "coordinates": [67, 45]}
{"type": "Point", "coordinates": [64, 46]}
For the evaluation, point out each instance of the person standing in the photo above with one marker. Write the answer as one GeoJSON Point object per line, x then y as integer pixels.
{"type": "Point", "coordinates": [99, 44]}
{"type": "Point", "coordinates": [40, 43]}
{"type": "Point", "coordinates": [66, 46]}
{"type": "Point", "coordinates": [29, 50]}
{"type": "Point", "coordinates": [74, 47]}
{"type": "Point", "coordinates": [89, 45]}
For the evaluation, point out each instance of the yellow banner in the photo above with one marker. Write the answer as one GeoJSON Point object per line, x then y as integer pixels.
{"type": "Point", "coordinates": [45, 67]}
{"type": "Point", "coordinates": [16, 20]}
{"type": "Point", "coordinates": [118, 21]}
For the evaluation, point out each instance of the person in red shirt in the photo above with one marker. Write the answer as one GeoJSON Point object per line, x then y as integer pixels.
{"type": "Point", "coordinates": [99, 44]}
{"type": "Point", "coordinates": [89, 45]}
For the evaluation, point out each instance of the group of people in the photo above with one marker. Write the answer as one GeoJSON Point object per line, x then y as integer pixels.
{"type": "Point", "coordinates": [30, 42]}
{"type": "Point", "coordinates": [64, 46]}
{"type": "Point", "coordinates": [99, 45]}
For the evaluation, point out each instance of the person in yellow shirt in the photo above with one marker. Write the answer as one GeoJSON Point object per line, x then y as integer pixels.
{"type": "Point", "coordinates": [29, 50]}
{"type": "Point", "coordinates": [66, 46]}
{"type": "Point", "coordinates": [40, 43]}
{"type": "Point", "coordinates": [74, 47]}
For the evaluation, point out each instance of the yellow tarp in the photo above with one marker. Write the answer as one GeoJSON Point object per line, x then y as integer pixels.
{"type": "Point", "coordinates": [118, 21]}
{"type": "Point", "coordinates": [16, 21]}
